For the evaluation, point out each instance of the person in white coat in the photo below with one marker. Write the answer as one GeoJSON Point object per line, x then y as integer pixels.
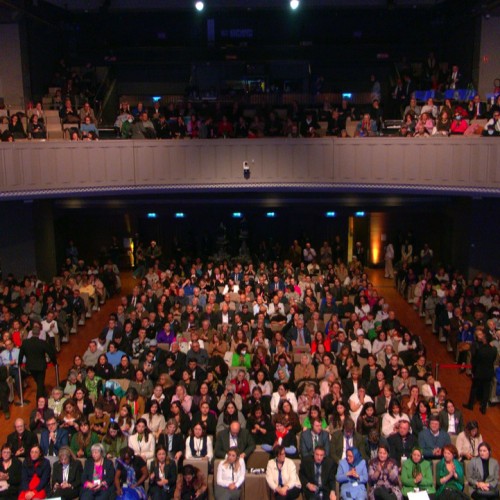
{"type": "Point", "coordinates": [282, 477]}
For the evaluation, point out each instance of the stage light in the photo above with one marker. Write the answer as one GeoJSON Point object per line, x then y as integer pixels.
{"type": "Point", "coordinates": [330, 214]}
{"type": "Point", "coordinates": [271, 215]}
{"type": "Point", "coordinates": [180, 215]}
{"type": "Point", "coordinates": [294, 4]}
{"type": "Point", "coordinates": [359, 214]}
{"type": "Point", "coordinates": [199, 6]}
{"type": "Point", "coordinates": [237, 215]}
{"type": "Point", "coordinates": [152, 215]}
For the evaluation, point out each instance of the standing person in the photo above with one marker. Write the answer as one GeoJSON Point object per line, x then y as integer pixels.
{"type": "Point", "coordinates": [383, 477]}
{"type": "Point", "coordinates": [389, 257]}
{"type": "Point", "coordinates": [352, 475]}
{"type": "Point", "coordinates": [34, 350]}
{"type": "Point", "coordinates": [483, 359]}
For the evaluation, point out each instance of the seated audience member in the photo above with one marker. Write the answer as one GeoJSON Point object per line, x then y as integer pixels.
{"type": "Point", "coordinates": [21, 440]}
{"type": "Point", "coordinates": [317, 476]}
{"type": "Point", "coordinates": [260, 426]}
{"type": "Point", "coordinates": [433, 439]}
{"type": "Point", "coordinates": [191, 483]}
{"type": "Point", "coordinates": [392, 419]}
{"type": "Point", "coordinates": [482, 474]}
{"type": "Point", "coordinates": [87, 127]}
{"type": "Point", "coordinates": [366, 127]}
{"type": "Point", "coordinates": [283, 393]}
{"type": "Point", "coordinates": [40, 415]}
{"type": "Point", "coordinates": [234, 436]}
{"type": "Point", "coordinates": [130, 475]}
{"type": "Point", "coordinates": [468, 441]}
{"type": "Point", "coordinates": [198, 444]}
{"type": "Point", "coordinates": [230, 476]}
{"type": "Point", "coordinates": [458, 124]}
{"type": "Point", "coordinates": [35, 475]}
{"type": "Point", "coordinates": [36, 128]}
{"type": "Point", "coordinates": [53, 438]}
{"type": "Point", "coordinates": [98, 477]}
{"type": "Point", "coordinates": [10, 474]}
{"type": "Point", "coordinates": [416, 474]}
{"type": "Point", "coordinates": [352, 476]}
{"type": "Point", "coordinates": [344, 439]}
{"type": "Point", "coordinates": [228, 415]}
{"type": "Point", "coordinates": [113, 441]}
{"type": "Point", "coordinates": [443, 123]}
{"type": "Point", "coordinates": [401, 443]}
{"type": "Point", "coordinates": [163, 476]}
{"type": "Point", "coordinates": [311, 438]}
{"type": "Point", "coordinates": [451, 419]}
{"type": "Point", "coordinates": [16, 127]}
{"type": "Point", "coordinates": [282, 436]}
{"type": "Point", "coordinates": [172, 440]}
{"type": "Point", "coordinates": [492, 127]}
{"type": "Point", "coordinates": [66, 475]}
{"type": "Point", "coordinates": [450, 474]}
{"type": "Point", "coordinates": [142, 441]}
{"type": "Point", "coordinates": [83, 440]}
{"type": "Point", "coordinates": [282, 477]}
{"type": "Point", "coordinates": [383, 476]}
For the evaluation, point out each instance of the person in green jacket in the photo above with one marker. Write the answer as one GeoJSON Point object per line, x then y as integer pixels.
{"type": "Point", "coordinates": [450, 474]}
{"type": "Point", "coordinates": [113, 441]}
{"type": "Point", "coordinates": [417, 473]}
{"type": "Point", "coordinates": [82, 441]}
{"type": "Point", "coordinates": [241, 357]}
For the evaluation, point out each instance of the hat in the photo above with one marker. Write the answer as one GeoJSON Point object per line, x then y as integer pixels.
{"type": "Point", "coordinates": [360, 331]}
{"type": "Point", "coordinates": [378, 323]}
{"type": "Point", "coordinates": [153, 343]}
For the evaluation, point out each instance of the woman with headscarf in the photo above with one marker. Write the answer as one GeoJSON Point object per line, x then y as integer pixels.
{"type": "Point", "coordinates": [417, 473]}
{"type": "Point", "coordinates": [352, 475]}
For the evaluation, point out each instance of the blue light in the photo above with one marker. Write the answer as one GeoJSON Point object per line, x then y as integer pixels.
{"type": "Point", "coordinates": [152, 215]}
{"type": "Point", "coordinates": [347, 95]}
{"type": "Point", "coordinates": [156, 98]}
{"type": "Point", "coordinates": [359, 214]}
{"type": "Point", "coordinates": [180, 215]}
{"type": "Point", "coordinates": [330, 214]}
{"type": "Point", "coordinates": [237, 215]}
{"type": "Point", "coordinates": [271, 214]}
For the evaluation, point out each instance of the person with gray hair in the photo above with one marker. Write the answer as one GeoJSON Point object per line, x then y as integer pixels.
{"type": "Point", "coordinates": [66, 475]}
{"type": "Point", "coordinates": [98, 476]}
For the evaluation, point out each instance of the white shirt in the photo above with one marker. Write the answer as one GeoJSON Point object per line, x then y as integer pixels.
{"type": "Point", "coordinates": [49, 329]}
{"type": "Point", "coordinates": [288, 474]}
{"type": "Point", "coordinates": [198, 446]}
{"type": "Point", "coordinates": [227, 475]}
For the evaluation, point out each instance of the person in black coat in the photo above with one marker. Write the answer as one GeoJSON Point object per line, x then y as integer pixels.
{"type": "Point", "coordinates": [66, 475]}
{"type": "Point", "coordinates": [171, 440]}
{"type": "Point", "coordinates": [483, 371]}
{"type": "Point", "coordinates": [35, 474]}
{"type": "Point", "coordinates": [163, 477]}
{"type": "Point", "coordinates": [10, 471]}
{"type": "Point", "coordinates": [21, 440]}
{"type": "Point", "coordinates": [317, 475]}
{"type": "Point", "coordinates": [401, 443]}
{"type": "Point", "coordinates": [102, 488]}
{"type": "Point", "coordinates": [35, 350]}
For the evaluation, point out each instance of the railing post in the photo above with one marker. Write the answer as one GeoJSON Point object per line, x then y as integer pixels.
{"type": "Point", "coordinates": [56, 366]}
{"type": "Point", "coordinates": [22, 401]}
{"type": "Point", "coordinates": [436, 373]}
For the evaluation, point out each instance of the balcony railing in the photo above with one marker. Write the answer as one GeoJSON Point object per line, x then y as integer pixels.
{"type": "Point", "coordinates": [452, 165]}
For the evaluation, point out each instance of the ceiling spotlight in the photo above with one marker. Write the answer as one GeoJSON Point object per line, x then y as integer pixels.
{"type": "Point", "coordinates": [199, 6]}
{"type": "Point", "coordinates": [294, 4]}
